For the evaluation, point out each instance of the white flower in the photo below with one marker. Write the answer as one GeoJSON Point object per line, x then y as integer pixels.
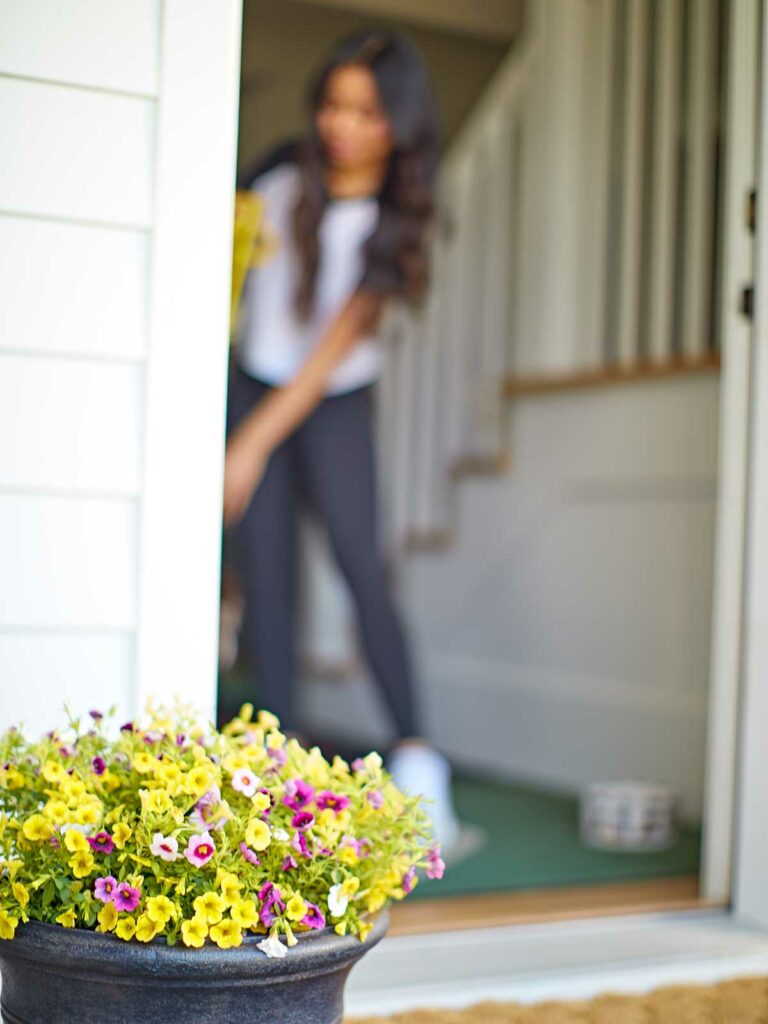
{"type": "Point", "coordinates": [167, 848]}
{"type": "Point", "coordinates": [272, 947]}
{"type": "Point", "coordinates": [337, 900]}
{"type": "Point", "coordinates": [280, 834]}
{"type": "Point", "coordinates": [245, 782]}
{"type": "Point", "coordinates": [70, 826]}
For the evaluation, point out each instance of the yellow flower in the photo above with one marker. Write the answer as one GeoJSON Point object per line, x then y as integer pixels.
{"type": "Point", "coordinates": [348, 855]}
{"type": "Point", "coordinates": [230, 886]}
{"type": "Point", "coordinates": [363, 930]}
{"type": "Point", "coordinates": [232, 762]}
{"type": "Point", "coordinates": [143, 763]}
{"type": "Point", "coordinates": [267, 720]}
{"type": "Point", "coordinates": [156, 801]}
{"type": "Point", "coordinates": [257, 834]}
{"type": "Point", "coordinates": [194, 931]}
{"type": "Point", "coordinates": [76, 842]}
{"type": "Point", "coordinates": [73, 789]}
{"type": "Point", "coordinates": [340, 768]}
{"type": "Point", "coordinates": [108, 917]}
{"type": "Point", "coordinates": [375, 899]}
{"type": "Point", "coordinates": [341, 928]}
{"type": "Point", "coordinates": [121, 833]}
{"type": "Point", "coordinates": [170, 774]}
{"type": "Point", "coordinates": [350, 886]}
{"type": "Point", "coordinates": [296, 908]}
{"type": "Point", "coordinates": [244, 913]}
{"type": "Point", "coordinates": [210, 907]}
{"type": "Point", "coordinates": [146, 928]}
{"type": "Point", "coordinates": [160, 909]}
{"type": "Point", "coordinates": [57, 811]}
{"type": "Point", "coordinates": [67, 919]}
{"type": "Point", "coordinates": [82, 864]}
{"type": "Point", "coordinates": [54, 772]}
{"type": "Point", "coordinates": [21, 893]}
{"type": "Point", "coordinates": [37, 828]}
{"type": "Point", "coordinates": [89, 813]}
{"type": "Point", "coordinates": [227, 934]}
{"type": "Point", "coordinates": [7, 925]}
{"type": "Point", "coordinates": [197, 781]}
{"type": "Point", "coordinates": [126, 928]}
{"type": "Point", "coordinates": [11, 778]}
{"type": "Point", "coordinates": [261, 801]}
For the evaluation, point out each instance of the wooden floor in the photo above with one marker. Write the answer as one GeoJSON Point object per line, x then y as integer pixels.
{"type": "Point", "coordinates": [563, 903]}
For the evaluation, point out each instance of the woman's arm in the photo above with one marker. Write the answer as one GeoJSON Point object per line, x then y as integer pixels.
{"type": "Point", "coordinates": [281, 412]}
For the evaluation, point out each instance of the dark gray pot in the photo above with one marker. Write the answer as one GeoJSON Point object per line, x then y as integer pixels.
{"type": "Point", "coordinates": [54, 975]}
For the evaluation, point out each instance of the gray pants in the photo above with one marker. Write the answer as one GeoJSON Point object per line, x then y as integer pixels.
{"type": "Point", "coordinates": [326, 465]}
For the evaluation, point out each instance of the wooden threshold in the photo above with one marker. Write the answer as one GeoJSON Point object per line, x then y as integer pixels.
{"type": "Point", "coordinates": [489, 910]}
{"type": "Point", "coordinates": [515, 387]}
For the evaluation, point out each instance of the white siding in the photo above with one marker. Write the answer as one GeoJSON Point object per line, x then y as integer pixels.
{"type": "Point", "coordinates": [80, 82]}
{"type": "Point", "coordinates": [70, 288]}
{"type": "Point", "coordinates": [75, 154]}
{"type": "Point", "coordinates": [102, 43]}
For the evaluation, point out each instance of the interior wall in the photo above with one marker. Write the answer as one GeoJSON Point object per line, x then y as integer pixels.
{"type": "Point", "coordinates": [283, 43]}
{"type": "Point", "coordinates": [564, 638]}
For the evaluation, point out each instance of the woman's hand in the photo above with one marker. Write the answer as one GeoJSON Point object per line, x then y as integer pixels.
{"type": "Point", "coordinates": [244, 465]}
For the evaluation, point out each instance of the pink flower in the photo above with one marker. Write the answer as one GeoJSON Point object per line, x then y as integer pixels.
{"type": "Point", "coordinates": [269, 894]}
{"type": "Point", "coordinates": [435, 863]}
{"type": "Point", "coordinates": [249, 854]}
{"type": "Point", "coordinates": [165, 846]}
{"type": "Point", "coordinates": [375, 799]}
{"type": "Point", "coordinates": [298, 794]}
{"type": "Point", "coordinates": [335, 801]}
{"type": "Point", "coordinates": [104, 888]}
{"type": "Point", "coordinates": [126, 897]}
{"type": "Point", "coordinates": [289, 863]}
{"type": "Point", "coordinates": [245, 782]}
{"type": "Point", "coordinates": [98, 766]}
{"type": "Point", "coordinates": [408, 880]}
{"type": "Point", "coordinates": [302, 820]}
{"type": "Point", "coordinates": [101, 843]}
{"type": "Point", "coordinates": [314, 918]}
{"type": "Point", "coordinates": [299, 843]}
{"type": "Point", "coordinates": [358, 765]}
{"type": "Point", "coordinates": [200, 849]}
{"type": "Point", "coordinates": [209, 811]}
{"type": "Point", "coordinates": [278, 755]}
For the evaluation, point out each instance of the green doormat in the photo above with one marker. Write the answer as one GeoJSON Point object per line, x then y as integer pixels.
{"type": "Point", "coordinates": [531, 840]}
{"type": "Point", "coordinates": [741, 1001]}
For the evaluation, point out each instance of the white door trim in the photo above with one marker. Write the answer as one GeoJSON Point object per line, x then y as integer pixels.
{"type": "Point", "coordinates": [736, 341]}
{"type": "Point", "coordinates": [186, 368]}
{"type": "Point", "coordinates": [751, 851]}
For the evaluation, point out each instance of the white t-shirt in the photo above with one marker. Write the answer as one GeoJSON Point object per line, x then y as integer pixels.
{"type": "Point", "coordinates": [272, 342]}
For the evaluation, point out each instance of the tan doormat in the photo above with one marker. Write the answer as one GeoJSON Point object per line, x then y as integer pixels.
{"type": "Point", "coordinates": [740, 1001]}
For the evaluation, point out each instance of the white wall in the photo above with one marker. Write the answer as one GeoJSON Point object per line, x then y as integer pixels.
{"type": "Point", "coordinates": [565, 637]}
{"type": "Point", "coordinates": [90, 117]}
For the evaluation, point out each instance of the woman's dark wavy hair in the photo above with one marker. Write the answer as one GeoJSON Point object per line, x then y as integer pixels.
{"type": "Point", "coordinates": [395, 256]}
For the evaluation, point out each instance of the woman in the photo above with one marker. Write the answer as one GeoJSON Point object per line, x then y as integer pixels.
{"type": "Point", "coordinates": [346, 213]}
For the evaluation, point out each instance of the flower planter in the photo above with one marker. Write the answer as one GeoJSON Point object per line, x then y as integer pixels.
{"type": "Point", "coordinates": [52, 974]}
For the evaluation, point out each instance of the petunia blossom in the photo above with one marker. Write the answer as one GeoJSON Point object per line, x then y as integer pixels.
{"type": "Point", "coordinates": [302, 820]}
{"type": "Point", "coordinates": [435, 863]}
{"type": "Point", "coordinates": [314, 918]}
{"type": "Point", "coordinates": [245, 781]}
{"type": "Point", "coordinates": [298, 794]}
{"type": "Point", "coordinates": [337, 900]}
{"type": "Point", "coordinates": [249, 854]}
{"type": "Point", "coordinates": [409, 880]}
{"type": "Point", "coordinates": [336, 801]}
{"type": "Point", "coordinates": [126, 897]}
{"type": "Point", "coordinates": [200, 849]}
{"type": "Point", "coordinates": [289, 863]}
{"type": "Point", "coordinates": [104, 888]}
{"type": "Point", "coordinates": [98, 765]}
{"type": "Point", "coordinates": [272, 946]}
{"type": "Point", "coordinates": [210, 810]}
{"type": "Point", "coordinates": [101, 843]}
{"type": "Point", "coordinates": [299, 844]}
{"type": "Point", "coordinates": [165, 847]}
{"type": "Point", "coordinates": [375, 799]}
{"type": "Point", "coordinates": [269, 894]}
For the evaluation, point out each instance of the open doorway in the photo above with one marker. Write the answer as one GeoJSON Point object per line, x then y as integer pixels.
{"type": "Point", "coordinates": [552, 523]}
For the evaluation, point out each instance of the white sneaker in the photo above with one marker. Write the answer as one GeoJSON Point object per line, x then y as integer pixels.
{"type": "Point", "coordinates": [422, 770]}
